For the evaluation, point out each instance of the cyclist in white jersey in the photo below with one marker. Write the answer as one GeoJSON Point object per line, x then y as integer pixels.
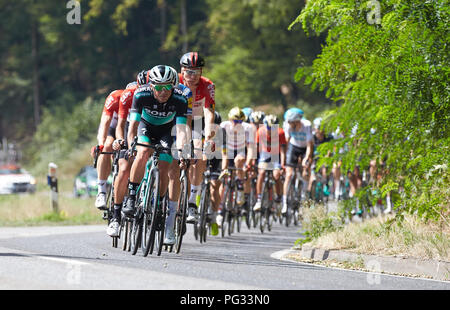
{"type": "Point", "coordinates": [300, 145]}
{"type": "Point", "coordinates": [240, 148]}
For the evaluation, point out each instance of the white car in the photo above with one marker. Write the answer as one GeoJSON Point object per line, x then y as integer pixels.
{"type": "Point", "coordinates": [14, 179]}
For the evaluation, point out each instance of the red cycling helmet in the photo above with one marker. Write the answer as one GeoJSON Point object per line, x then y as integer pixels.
{"type": "Point", "coordinates": [192, 60]}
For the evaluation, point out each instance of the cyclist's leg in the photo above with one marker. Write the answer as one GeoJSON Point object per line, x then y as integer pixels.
{"type": "Point", "coordinates": [197, 168]}
{"type": "Point", "coordinates": [215, 195]}
{"type": "Point", "coordinates": [278, 183]}
{"type": "Point", "coordinates": [104, 170]}
{"type": "Point", "coordinates": [137, 169]}
{"type": "Point", "coordinates": [259, 184]}
{"type": "Point", "coordinates": [239, 162]}
{"type": "Point", "coordinates": [120, 188]}
{"type": "Point", "coordinates": [292, 157]}
{"type": "Point", "coordinates": [336, 171]}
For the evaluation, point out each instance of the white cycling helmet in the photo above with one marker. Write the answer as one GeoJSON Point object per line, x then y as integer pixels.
{"type": "Point", "coordinates": [317, 122]}
{"type": "Point", "coordinates": [257, 117]}
{"type": "Point", "coordinates": [293, 115]}
{"type": "Point", "coordinates": [162, 74]}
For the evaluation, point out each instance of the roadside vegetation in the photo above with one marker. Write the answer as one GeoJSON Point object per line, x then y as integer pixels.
{"type": "Point", "coordinates": [381, 235]}
{"type": "Point", "coordinates": [389, 78]}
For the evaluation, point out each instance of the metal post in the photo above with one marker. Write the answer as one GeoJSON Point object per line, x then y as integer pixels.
{"type": "Point", "coordinates": [52, 181]}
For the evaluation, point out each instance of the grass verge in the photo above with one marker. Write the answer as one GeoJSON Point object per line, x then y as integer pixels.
{"type": "Point", "coordinates": [35, 209]}
{"type": "Point", "coordinates": [384, 235]}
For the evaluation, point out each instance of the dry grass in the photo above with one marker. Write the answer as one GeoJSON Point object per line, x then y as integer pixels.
{"type": "Point", "coordinates": [410, 238]}
{"type": "Point", "coordinates": [36, 209]}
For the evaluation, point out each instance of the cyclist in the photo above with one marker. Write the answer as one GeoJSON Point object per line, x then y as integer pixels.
{"type": "Point", "coordinates": [156, 108]}
{"type": "Point", "coordinates": [203, 106]}
{"type": "Point", "coordinates": [215, 164]}
{"type": "Point", "coordinates": [272, 156]}
{"type": "Point", "coordinates": [319, 137]}
{"type": "Point", "coordinates": [257, 118]}
{"type": "Point", "coordinates": [120, 185]}
{"type": "Point", "coordinates": [240, 148]}
{"type": "Point", "coordinates": [247, 111]}
{"type": "Point", "coordinates": [300, 145]}
{"type": "Point", "coordinates": [105, 139]}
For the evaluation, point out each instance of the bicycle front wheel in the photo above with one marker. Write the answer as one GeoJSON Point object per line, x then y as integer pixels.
{"type": "Point", "coordinates": [180, 222]}
{"type": "Point", "coordinates": [150, 213]}
{"type": "Point", "coordinates": [204, 205]}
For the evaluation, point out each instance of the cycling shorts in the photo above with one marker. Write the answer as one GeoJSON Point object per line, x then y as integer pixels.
{"type": "Point", "coordinates": [293, 153]}
{"type": "Point", "coordinates": [112, 132]}
{"type": "Point", "coordinates": [156, 135]}
{"type": "Point", "coordinates": [268, 164]}
{"type": "Point", "coordinates": [215, 168]}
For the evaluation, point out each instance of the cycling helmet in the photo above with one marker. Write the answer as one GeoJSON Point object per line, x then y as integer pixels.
{"type": "Point", "coordinates": [192, 60]}
{"type": "Point", "coordinates": [236, 114]}
{"type": "Point", "coordinates": [162, 74]}
{"type": "Point", "coordinates": [270, 120]}
{"type": "Point", "coordinates": [142, 78]}
{"type": "Point", "coordinates": [131, 85]}
{"type": "Point", "coordinates": [257, 117]}
{"type": "Point", "coordinates": [316, 122]}
{"type": "Point", "coordinates": [217, 118]}
{"type": "Point", "coordinates": [296, 110]}
{"type": "Point", "coordinates": [247, 112]}
{"type": "Point", "coordinates": [292, 116]}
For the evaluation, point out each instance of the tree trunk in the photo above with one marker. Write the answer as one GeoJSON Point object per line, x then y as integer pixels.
{"type": "Point", "coordinates": [163, 14]}
{"type": "Point", "coordinates": [184, 32]}
{"type": "Point", "coordinates": [288, 92]}
{"type": "Point", "coordinates": [36, 84]}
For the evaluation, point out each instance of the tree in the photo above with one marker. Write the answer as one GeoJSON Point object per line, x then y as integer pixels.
{"type": "Point", "coordinates": [390, 77]}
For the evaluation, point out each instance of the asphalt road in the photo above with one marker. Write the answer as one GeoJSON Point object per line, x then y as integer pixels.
{"type": "Point", "coordinates": [81, 257]}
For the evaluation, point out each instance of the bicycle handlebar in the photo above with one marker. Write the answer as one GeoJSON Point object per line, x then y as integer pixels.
{"type": "Point", "coordinates": [97, 154]}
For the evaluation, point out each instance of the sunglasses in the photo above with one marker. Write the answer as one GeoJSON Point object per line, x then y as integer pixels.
{"type": "Point", "coordinates": [192, 72]}
{"type": "Point", "coordinates": [237, 121]}
{"type": "Point", "coordinates": [161, 87]}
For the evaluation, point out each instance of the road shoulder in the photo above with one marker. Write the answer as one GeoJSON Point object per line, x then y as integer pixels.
{"type": "Point", "coordinates": [403, 266]}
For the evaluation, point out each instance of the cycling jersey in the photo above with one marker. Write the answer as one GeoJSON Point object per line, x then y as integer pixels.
{"type": "Point", "coordinates": [269, 146]}
{"type": "Point", "coordinates": [203, 97]}
{"type": "Point", "coordinates": [299, 138]}
{"type": "Point", "coordinates": [238, 136]}
{"type": "Point", "coordinates": [157, 119]}
{"type": "Point", "coordinates": [125, 102]}
{"type": "Point", "coordinates": [317, 142]}
{"type": "Point", "coordinates": [111, 106]}
{"type": "Point", "coordinates": [269, 141]}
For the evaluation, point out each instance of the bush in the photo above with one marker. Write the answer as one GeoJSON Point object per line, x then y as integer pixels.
{"type": "Point", "coordinates": [61, 132]}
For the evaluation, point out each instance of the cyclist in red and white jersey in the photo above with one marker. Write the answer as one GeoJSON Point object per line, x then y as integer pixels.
{"type": "Point", "coordinates": [121, 182]}
{"type": "Point", "coordinates": [105, 139]}
{"type": "Point", "coordinates": [203, 106]}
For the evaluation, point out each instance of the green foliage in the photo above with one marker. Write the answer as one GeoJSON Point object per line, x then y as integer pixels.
{"type": "Point", "coordinates": [391, 77]}
{"type": "Point", "coordinates": [61, 131]}
{"type": "Point", "coordinates": [317, 223]}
